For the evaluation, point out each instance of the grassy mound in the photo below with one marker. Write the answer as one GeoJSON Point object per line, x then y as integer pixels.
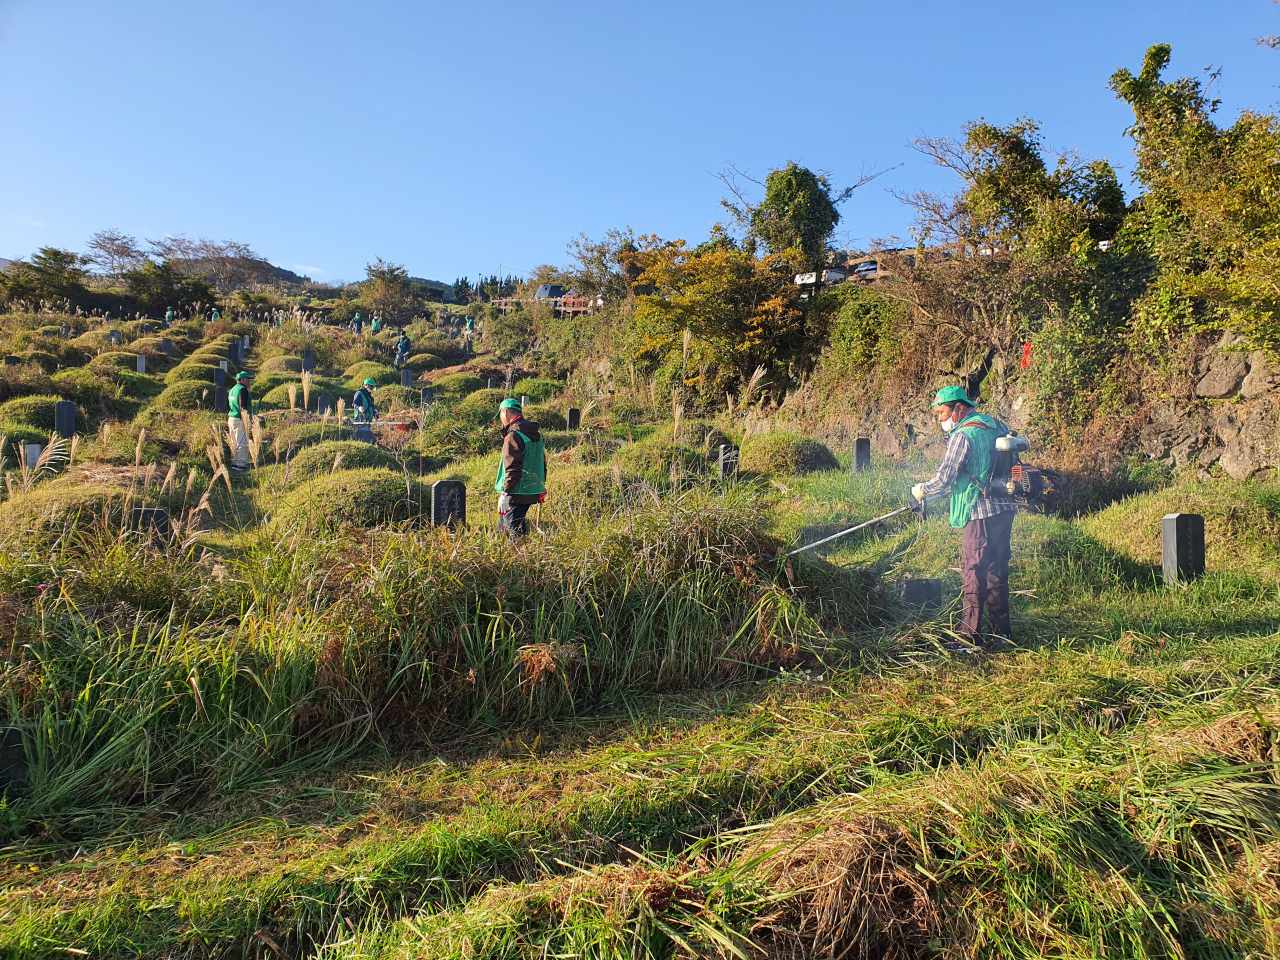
{"type": "Point", "coordinates": [185, 395]}
{"type": "Point", "coordinates": [480, 406]}
{"type": "Point", "coordinates": [299, 435]}
{"type": "Point", "coordinates": [95, 393]}
{"type": "Point", "coordinates": [194, 370]}
{"type": "Point", "coordinates": [537, 388]}
{"type": "Point", "coordinates": [123, 359]}
{"type": "Point", "coordinates": [53, 508]}
{"type": "Point", "coordinates": [381, 374]}
{"type": "Point", "coordinates": [395, 397]}
{"type": "Point", "coordinates": [318, 459]}
{"type": "Point", "coordinates": [13, 435]}
{"type": "Point", "coordinates": [1241, 523]}
{"type": "Point", "coordinates": [661, 462]}
{"type": "Point", "coordinates": [546, 416]}
{"type": "Point", "coordinates": [23, 378]}
{"type": "Point", "coordinates": [457, 384]}
{"type": "Point", "coordinates": [783, 454]}
{"type": "Point", "coordinates": [420, 362]}
{"type": "Point", "coordinates": [35, 411]}
{"type": "Point", "coordinates": [283, 363]}
{"type": "Point", "coordinates": [48, 362]}
{"type": "Point", "coordinates": [362, 497]}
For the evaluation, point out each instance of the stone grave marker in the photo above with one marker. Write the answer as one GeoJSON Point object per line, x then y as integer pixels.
{"type": "Point", "coordinates": [448, 503]}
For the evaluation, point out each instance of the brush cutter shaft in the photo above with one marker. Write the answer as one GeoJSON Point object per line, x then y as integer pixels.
{"type": "Point", "coordinates": [862, 526]}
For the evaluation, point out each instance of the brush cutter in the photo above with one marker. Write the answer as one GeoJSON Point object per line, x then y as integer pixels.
{"type": "Point", "coordinates": [916, 506]}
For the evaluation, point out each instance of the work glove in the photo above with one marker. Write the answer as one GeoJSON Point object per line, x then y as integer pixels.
{"type": "Point", "coordinates": [916, 499]}
{"type": "Point", "coordinates": [504, 504]}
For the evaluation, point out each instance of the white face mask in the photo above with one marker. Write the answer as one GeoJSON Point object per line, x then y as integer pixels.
{"type": "Point", "coordinates": [948, 426]}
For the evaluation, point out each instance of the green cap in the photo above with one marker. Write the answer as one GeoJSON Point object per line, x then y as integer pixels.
{"type": "Point", "coordinates": [369, 382]}
{"type": "Point", "coordinates": [244, 375]}
{"type": "Point", "coordinates": [511, 403]}
{"type": "Point", "coordinates": [952, 395]}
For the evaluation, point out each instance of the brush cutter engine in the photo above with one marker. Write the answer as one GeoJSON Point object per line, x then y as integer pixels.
{"type": "Point", "coordinates": [1030, 487]}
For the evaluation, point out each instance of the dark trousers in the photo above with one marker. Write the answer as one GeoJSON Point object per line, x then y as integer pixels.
{"type": "Point", "coordinates": [984, 564]}
{"type": "Point", "coordinates": [514, 524]}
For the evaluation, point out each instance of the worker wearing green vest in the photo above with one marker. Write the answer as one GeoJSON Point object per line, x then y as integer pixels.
{"type": "Point", "coordinates": [403, 346]}
{"type": "Point", "coordinates": [363, 408]}
{"type": "Point", "coordinates": [983, 510]}
{"type": "Point", "coordinates": [239, 416]}
{"type": "Point", "coordinates": [522, 471]}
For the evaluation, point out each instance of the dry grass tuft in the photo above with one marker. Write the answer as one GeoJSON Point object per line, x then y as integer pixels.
{"type": "Point", "coordinates": [860, 894]}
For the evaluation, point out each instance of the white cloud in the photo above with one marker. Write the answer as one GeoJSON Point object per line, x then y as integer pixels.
{"type": "Point", "coordinates": [308, 270]}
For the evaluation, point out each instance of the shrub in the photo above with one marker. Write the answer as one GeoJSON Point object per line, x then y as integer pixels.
{"type": "Point", "coordinates": [262, 385]}
{"type": "Point", "coordinates": [133, 329]}
{"type": "Point", "coordinates": [299, 435]}
{"type": "Point", "coordinates": [185, 395]}
{"type": "Point", "coordinates": [285, 363]}
{"type": "Point", "coordinates": [781, 454]}
{"type": "Point", "coordinates": [278, 396]}
{"type": "Point", "coordinates": [317, 459]}
{"type": "Point", "coordinates": [658, 461]}
{"type": "Point", "coordinates": [366, 497]}
{"type": "Point", "coordinates": [458, 384]}
{"type": "Point", "coordinates": [34, 411]}
{"type": "Point", "coordinates": [537, 388]}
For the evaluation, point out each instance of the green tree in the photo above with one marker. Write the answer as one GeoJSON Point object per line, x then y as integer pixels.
{"type": "Point", "coordinates": [797, 215]}
{"type": "Point", "coordinates": [1210, 214]}
{"type": "Point", "coordinates": [158, 286]}
{"type": "Point", "coordinates": [716, 314]}
{"type": "Point", "coordinates": [386, 290]}
{"type": "Point", "coordinates": [50, 274]}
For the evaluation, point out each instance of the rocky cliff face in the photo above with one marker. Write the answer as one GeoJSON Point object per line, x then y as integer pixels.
{"type": "Point", "coordinates": [1234, 421]}
{"type": "Point", "coordinates": [1229, 420]}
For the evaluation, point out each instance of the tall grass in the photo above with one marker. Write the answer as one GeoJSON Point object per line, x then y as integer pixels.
{"type": "Point", "coordinates": [311, 648]}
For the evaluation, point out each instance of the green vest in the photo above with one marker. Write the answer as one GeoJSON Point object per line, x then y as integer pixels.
{"type": "Point", "coordinates": [975, 473]}
{"type": "Point", "coordinates": [533, 479]}
{"type": "Point", "coordinates": [237, 398]}
{"type": "Point", "coordinates": [363, 404]}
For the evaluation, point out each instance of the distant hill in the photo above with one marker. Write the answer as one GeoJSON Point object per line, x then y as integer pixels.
{"type": "Point", "coordinates": [432, 289]}
{"type": "Point", "coordinates": [234, 272]}
{"type": "Point", "coordinates": [6, 264]}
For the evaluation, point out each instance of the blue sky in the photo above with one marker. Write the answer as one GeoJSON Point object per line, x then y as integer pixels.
{"type": "Point", "coordinates": [463, 138]}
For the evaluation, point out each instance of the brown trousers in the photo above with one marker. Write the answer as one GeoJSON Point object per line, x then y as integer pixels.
{"type": "Point", "coordinates": [984, 565]}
